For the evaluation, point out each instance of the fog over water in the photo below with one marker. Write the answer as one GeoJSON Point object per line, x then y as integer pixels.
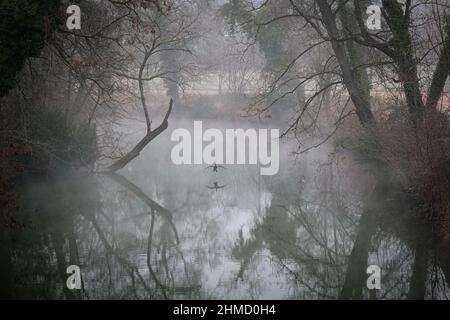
{"type": "Point", "coordinates": [260, 237]}
{"type": "Point", "coordinates": [208, 222]}
{"type": "Point", "coordinates": [359, 207]}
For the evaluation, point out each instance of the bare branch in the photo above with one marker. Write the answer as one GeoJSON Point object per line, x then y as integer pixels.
{"type": "Point", "coordinates": [134, 153]}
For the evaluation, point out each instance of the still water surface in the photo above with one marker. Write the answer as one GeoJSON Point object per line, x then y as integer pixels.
{"type": "Point", "coordinates": [287, 236]}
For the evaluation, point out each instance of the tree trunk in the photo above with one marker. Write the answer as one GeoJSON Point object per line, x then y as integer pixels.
{"type": "Point", "coordinates": [417, 286]}
{"type": "Point", "coordinates": [359, 98]}
{"type": "Point", "coordinates": [58, 242]}
{"type": "Point", "coordinates": [355, 278]}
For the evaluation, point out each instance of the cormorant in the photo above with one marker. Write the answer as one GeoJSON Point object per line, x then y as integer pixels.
{"type": "Point", "coordinates": [216, 186]}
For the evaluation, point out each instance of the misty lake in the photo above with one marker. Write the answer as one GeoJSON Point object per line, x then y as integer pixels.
{"type": "Point", "coordinates": [287, 236]}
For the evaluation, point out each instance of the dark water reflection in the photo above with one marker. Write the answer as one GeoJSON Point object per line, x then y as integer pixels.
{"type": "Point", "coordinates": [284, 237]}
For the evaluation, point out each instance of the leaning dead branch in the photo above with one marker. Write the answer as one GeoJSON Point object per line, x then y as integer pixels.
{"type": "Point", "coordinates": [134, 153]}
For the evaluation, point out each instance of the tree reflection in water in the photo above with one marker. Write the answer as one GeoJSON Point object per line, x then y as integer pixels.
{"type": "Point", "coordinates": [290, 236]}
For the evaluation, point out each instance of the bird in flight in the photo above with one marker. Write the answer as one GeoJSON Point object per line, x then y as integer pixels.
{"type": "Point", "coordinates": [216, 186]}
{"type": "Point", "coordinates": [215, 167]}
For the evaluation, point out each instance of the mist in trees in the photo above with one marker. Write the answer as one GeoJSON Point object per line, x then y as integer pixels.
{"type": "Point", "coordinates": [85, 152]}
